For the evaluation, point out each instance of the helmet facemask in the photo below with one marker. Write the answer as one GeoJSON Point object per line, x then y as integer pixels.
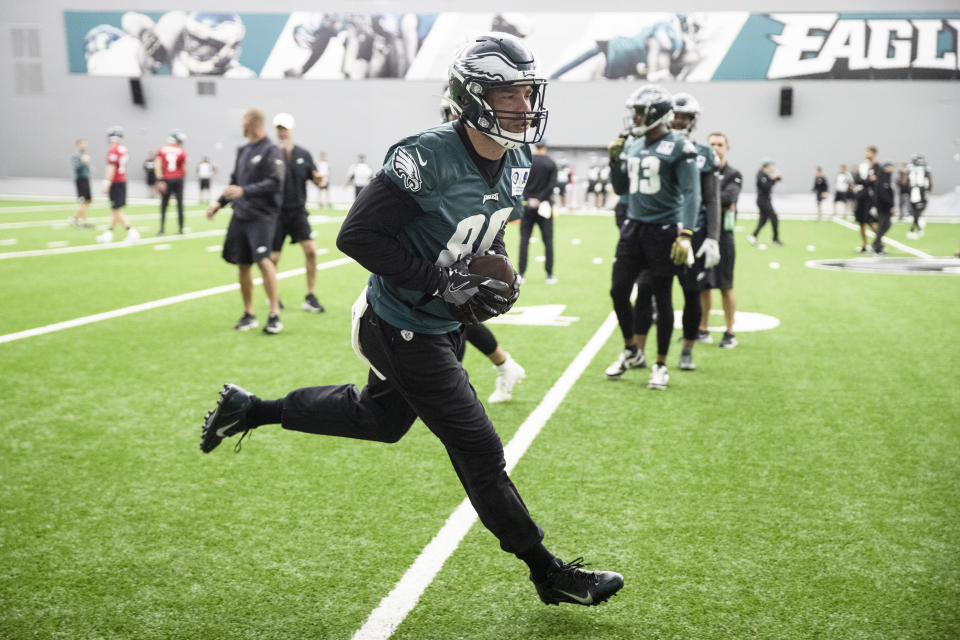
{"type": "Point", "coordinates": [494, 62]}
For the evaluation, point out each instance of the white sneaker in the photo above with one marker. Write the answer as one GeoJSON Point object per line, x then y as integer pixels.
{"type": "Point", "coordinates": [105, 237]}
{"type": "Point", "coordinates": [132, 235]}
{"type": "Point", "coordinates": [509, 373]}
{"type": "Point", "coordinates": [658, 377]}
{"type": "Point", "coordinates": [686, 362]}
{"type": "Point", "coordinates": [752, 240]}
{"type": "Point", "coordinates": [626, 360]}
{"type": "Point", "coordinates": [552, 280]}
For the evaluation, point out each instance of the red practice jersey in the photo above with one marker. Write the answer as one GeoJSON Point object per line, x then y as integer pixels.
{"type": "Point", "coordinates": [117, 157]}
{"type": "Point", "coordinates": [173, 161]}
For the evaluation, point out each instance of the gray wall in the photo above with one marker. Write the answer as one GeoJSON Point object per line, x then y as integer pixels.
{"type": "Point", "coordinates": [832, 121]}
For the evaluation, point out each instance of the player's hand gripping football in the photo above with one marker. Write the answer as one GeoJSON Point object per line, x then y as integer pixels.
{"type": "Point", "coordinates": [680, 251]}
{"type": "Point", "coordinates": [473, 298]}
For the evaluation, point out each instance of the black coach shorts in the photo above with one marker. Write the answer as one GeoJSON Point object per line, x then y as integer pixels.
{"type": "Point", "coordinates": [696, 277]}
{"type": "Point", "coordinates": [293, 223]}
{"type": "Point", "coordinates": [248, 241]}
{"type": "Point", "coordinates": [118, 195]}
{"type": "Point", "coordinates": [204, 184]}
{"type": "Point", "coordinates": [647, 246]}
{"type": "Point", "coordinates": [861, 213]}
{"type": "Point", "coordinates": [721, 276]}
{"type": "Point", "coordinates": [83, 190]}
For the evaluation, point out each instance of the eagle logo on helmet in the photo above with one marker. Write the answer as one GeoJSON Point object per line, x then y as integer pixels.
{"type": "Point", "coordinates": [406, 167]}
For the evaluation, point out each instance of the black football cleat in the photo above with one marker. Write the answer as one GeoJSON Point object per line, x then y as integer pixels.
{"type": "Point", "coordinates": [227, 419]}
{"type": "Point", "coordinates": [570, 583]}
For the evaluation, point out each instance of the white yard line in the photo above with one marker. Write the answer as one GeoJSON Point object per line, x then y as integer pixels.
{"type": "Point", "coordinates": [7, 255]}
{"type": "Point", "coordinates": [392, 610]}
{"type": "Point", "coordinates": [156, 304]}
{"type": "Point", "coordinates": [889, 241]}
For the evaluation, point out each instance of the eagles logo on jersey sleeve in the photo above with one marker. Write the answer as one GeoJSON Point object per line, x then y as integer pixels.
{"type": "Point", "coordinates": [413, 166]}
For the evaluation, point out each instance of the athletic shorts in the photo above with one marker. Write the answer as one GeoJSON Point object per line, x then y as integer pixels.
{"type": "Point", "coordinates": [647, 246]}
{"type": "Point", "coordinates": [861, 212]}
{"type": "Point", "coordinates": [821, 196]}
{"type": "Point", "coordinates": [721, 276]}
{"type": "Point", "coordinates": [204, 184]}
{"type": "Point", "coordinates": [291, 223]}
{"type": "Point", "coordinates": [248, 241]}
{"type": "Point", "coordinates": [696, 277]}
{"type": "Point", "coordinates": [841, 196]}
{"type": "Point", "coordinates": [83, 189]}
{"type": "Point", "coordinates": [118, 195]}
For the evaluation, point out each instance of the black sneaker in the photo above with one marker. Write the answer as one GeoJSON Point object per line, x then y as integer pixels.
{"type": "Point", "coordinates": [570, 583]}
{"type": "Point", "coordinates": [729, 341]}
{"type": "Point", "coordinates": [227, 419]}
{"type": "Point", "coordinates": [273, 324]}
{"type": "Point", "coordinates": [704, 337]}
{"type": "Point", "coordinates": [247, 321]}
{"type": "Point", "coordinates": [778, 243]}
{"type": "Point", "coordinates": [280, 305]}
{"type": "Point", "coordinates": [311, 304]}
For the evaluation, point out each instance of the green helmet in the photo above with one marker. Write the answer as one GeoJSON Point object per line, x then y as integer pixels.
{"type": "Point", "coordinates": [491, 61]}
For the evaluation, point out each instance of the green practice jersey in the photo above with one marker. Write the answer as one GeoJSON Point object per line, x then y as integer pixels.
{"type": "Point", "coordinates": [462, 216]}
{"type": "Point", "coordinates": [663, 180]}
{"type": "Point", "coordinates": [707, 162]}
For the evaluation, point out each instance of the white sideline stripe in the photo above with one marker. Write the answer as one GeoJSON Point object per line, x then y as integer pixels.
{"type": "Point", "coordinates": [156, 304]}
{"type": "Point", "coordinates": [890, 241]}
{"type": "Point", "coordinates": [392, 610]}
{"type": "Point", "coordinates": [91, 219]}
{"type": "Point", "coordinates": [120, 244]}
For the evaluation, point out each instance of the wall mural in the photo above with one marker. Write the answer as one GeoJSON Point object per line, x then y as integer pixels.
{"type": "Point", "coordinates": [691, 47]}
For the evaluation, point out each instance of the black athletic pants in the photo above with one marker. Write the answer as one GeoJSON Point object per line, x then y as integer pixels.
{"type": "Point", "coordinates": [530, 218]}
{"type": "Point", "coordinates": [884, 220]}
{"type": "Point", "coordinates": [425, 378]}
{"type": "Point", "coordinates": [767, 213]}
{"type": "Point", "coordinates": [174, 188]}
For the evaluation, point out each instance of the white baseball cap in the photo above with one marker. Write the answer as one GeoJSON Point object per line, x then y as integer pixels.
{"type": "Point", "coordinates": [284, 120]}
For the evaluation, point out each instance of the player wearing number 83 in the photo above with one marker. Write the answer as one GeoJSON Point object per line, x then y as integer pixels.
{"type": "Point", "coordinates": [658, 172]}
{"type": "Point", "coordinates": [442, 196]}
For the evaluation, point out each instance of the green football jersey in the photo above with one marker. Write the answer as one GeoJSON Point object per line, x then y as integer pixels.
{"type": "Point", "coordinates": [462, 216]}
{"type": "Point", "coordinates": [707, 162]}
{"type": "Point", "coordinates": [663, 180]}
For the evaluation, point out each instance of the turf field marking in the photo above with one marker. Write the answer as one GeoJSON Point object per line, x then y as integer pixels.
{"type": "Point", "coordinates": [392, 610]}
{"type": "Point", "coordinates": [890, 241]}
{"type": "Point", "coordinates": [121, 244]}
{"type": "Point", "coordinates": [156, 304]}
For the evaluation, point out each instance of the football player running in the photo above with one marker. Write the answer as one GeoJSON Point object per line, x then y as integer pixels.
{"type": "Point", "coordinates": [920, 182]}
{"type": "Point", "coordinates": [658, 172]}
{"type": "Point", "coordinates": [442, 196]}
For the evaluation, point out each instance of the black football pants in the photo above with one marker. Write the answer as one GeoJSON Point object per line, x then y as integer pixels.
{"type": "Point", "coordinates": [767, 213]}
{"type": "Point", "coordinates": [425, 378]}
{"type": "Point", "coordinates": [884, 219]}
{"type": "Point", "coordinates": [175, 189]}
{"type": "Point", "coordinates": [530, 218]}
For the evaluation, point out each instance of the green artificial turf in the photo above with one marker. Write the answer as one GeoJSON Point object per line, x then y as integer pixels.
{"type": "Point", "coordinates": [802, 485]}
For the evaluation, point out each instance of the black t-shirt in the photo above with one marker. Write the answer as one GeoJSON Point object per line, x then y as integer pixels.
{"type": "Point", "coordinates": [764, 184]}
{"type": "Point", "coordinates": [820, 184]}
{"type": "Point", "coordinates": [300, 168]}
{"type": "Point", "coordinates": [543, 178]}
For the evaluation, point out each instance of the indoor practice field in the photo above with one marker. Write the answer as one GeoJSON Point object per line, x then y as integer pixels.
{"type": "Point", "coordinates": [802, 485]}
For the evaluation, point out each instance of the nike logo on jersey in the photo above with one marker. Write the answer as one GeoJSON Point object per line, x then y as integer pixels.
{"type": "Point", "coordinates": [420, 159]}
{"type": "Point", "coordinates": [222, 431]}
{"type": "Point", "coordinates": [587, 601]}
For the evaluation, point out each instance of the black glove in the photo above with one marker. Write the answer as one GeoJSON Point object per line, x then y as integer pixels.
{"type": "Point", "coordinates": [474, 298]}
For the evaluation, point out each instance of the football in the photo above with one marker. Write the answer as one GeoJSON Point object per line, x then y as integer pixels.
{"type": "Point", "coordinates": [494, 266]}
